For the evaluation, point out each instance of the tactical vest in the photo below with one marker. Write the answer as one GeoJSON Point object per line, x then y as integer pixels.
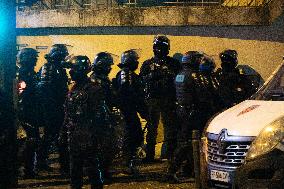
{"type": "Point", "coordinates": [53, 83]}
{"type": "Point", "coordinates": [159, 77]}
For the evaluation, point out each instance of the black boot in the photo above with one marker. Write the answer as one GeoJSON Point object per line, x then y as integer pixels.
{"type": "Point", "coordinates": [97, 186]}
{"type": "Point", "coordinates": [172, 179]}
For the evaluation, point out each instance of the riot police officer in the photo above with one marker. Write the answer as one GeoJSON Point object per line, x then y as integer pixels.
{"type": "Point", "coordinates": [158, 74]}
{"type": "Point", "coordinates": [27, 106]}
{"type": "Point", "coordinates": [101, 68]}
{"type": "Point", "coordinates": [234, 87]}
{"type": "Point", "coordinates": [52, 91]}
{"type": "Point", "coordinates": [195, 93]}
{"type": "Point", "coordinates": [87, 123]}
{"type": "Point", "coordinates": [130, 97]}
{"type": "Point", "coordinates": [206, 68]}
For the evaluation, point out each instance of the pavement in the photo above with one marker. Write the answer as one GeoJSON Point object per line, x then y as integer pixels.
{"type": "Point", "coordinates": [150, 177]}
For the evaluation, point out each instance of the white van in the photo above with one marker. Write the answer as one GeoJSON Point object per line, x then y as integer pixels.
{"type": "Point", "coordinates": [228, 140]}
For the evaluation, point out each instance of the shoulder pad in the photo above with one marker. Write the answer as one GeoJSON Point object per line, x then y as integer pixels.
{"type": "Point", "coordinates": [149, 61]}
{"type": "Point", "coordinates": [96, 81]}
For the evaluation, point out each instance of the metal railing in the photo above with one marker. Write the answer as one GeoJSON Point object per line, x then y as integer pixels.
{"type": "Point", "coordinates": [104, 4]}
{"type": "Point", "coordinates": [247, 3]}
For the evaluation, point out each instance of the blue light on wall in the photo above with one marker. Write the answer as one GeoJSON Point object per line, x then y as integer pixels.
{"type": "Point", "coordinates": [3, 21]}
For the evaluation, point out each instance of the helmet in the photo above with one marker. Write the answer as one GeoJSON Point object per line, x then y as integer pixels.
{"type": "Point", "coordinates": [58, 52]}
{"type": "Point", "coordinates": [102, 63]}
{"type": "Point", "coordinates": [207, 65]}
{"type": "Point", "coordinates": [161, 46]}
{"type": "Point", "coordinates": [192, 59]}
{"type": "Point", "coordinates": [27, 57]}
{"type": "Point", "coordinates": [80, 67]}
{"type": "Point", "coordinates": [129, 59]}
{"type": "Point", "coordinates": [229, 59]}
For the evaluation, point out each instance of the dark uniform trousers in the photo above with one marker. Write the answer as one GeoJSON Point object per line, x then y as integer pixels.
{"type": "Point", "coordinates": [133, 132]}
{"type": "Point", "coordinates": [85, 156]}
{"type": "Point", "coordinates": [164, 108]}
{"type": "Point", "coordinates": [189, 120]}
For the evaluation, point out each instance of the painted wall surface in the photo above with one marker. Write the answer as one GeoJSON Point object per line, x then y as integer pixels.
{"type": "Point", "coordinates": [151, 16]}
{"type": "Point", "coordinates": [264, 56]}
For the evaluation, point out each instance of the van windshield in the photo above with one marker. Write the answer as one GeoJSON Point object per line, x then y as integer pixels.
{"type": "Point", "coordinates": [273, 89]}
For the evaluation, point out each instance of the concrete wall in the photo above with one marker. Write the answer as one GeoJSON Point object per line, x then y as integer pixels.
{"type": "Point", "coordinates": [152, 16]}
{"type": "Point", "coordinates": [275, 9]}
{"type": "Point", "coordinates": [259, 46]}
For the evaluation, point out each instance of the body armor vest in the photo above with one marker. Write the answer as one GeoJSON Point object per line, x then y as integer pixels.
{"type": "Point", "coordinates": [104, 82]}
{"type": "Point", "coordinates": [53, 83]}
{"type": "Point", "coordinates": [128, 87]}
{"type": "Point", "coordinates": [185, 88]}
{"type": "Point", "coordinates": [196, 90]}
{"type": "Point", "coordinates": [27, 98]}
{"type": "Point", "coordinates": [234, 87]}
{"type": "Point", "coordinates": [158, 77]}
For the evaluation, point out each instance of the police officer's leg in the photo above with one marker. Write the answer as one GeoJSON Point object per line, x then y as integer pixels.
{"type": "Point", "coordinates": [107, 153]}
{"type": "Point", "coordinates": [134, 133]}
{"type": "Point", "coordinates": [169, 120]}
{"type": "Point", "coordinates": [186, 116]}
{"type": "Point", "coordinates": [52, 126]}
{"type": "Point", "coordinates": [134, 139]}
{"type": "Point", "coordinates": [30, 150]}
{"type": "Point", "coordinates": [180, 155]}
{"type": "Point", "coordinates": [46, 141]}
{"type": "Point", "coordinates": [76, 168]}
{"type": "Point", "coordinates": [29, 158]}
{"type": "Point", "coordinates": [63, 152]}
{"type": "Point", "coordinates": [128, 139]}
{"type": "Point", "coordinates": [137, 133]}
{"type": "Point", "coordinates": [152, 127]}
{"type": "Point", "coordinates": [183, 143]}
{"type": "Point", "coordinates": [95, 170]}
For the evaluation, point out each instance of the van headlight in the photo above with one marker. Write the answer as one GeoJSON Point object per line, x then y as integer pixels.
{"type": "Point", "coordinates": [268, 139]}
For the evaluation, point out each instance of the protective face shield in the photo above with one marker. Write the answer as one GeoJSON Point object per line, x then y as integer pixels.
{"type": "Point", "coordinates": [80, 67]}
{"type": "Point", "coordinates": [58, 52]}
{"type": "Point", "coordinates": [129, 59]}
{"type": "Point", "coordinates": [27, 58]}
{"type": "Point", "coordinates": [207, 65]}
{"type": "Point", "coordinates": [161, 46]}
{"type": "Point", "coordinates": [102, 63]}
{"type": "Point", "coordinates": [229, 60]}
{"type": "Point", "coordinates": [192, 59]}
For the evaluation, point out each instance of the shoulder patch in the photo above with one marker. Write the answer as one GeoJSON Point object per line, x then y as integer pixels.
{"type": "Point", "coordinates": [180, 78]}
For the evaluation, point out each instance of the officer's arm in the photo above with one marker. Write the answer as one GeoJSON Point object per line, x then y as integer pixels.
{"type": "Point", "coordinates": [144, 70]}
{"type": "Point", "coordinates": [178, 66]}
{"type": "Point", "coordinates": [250, 89]}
